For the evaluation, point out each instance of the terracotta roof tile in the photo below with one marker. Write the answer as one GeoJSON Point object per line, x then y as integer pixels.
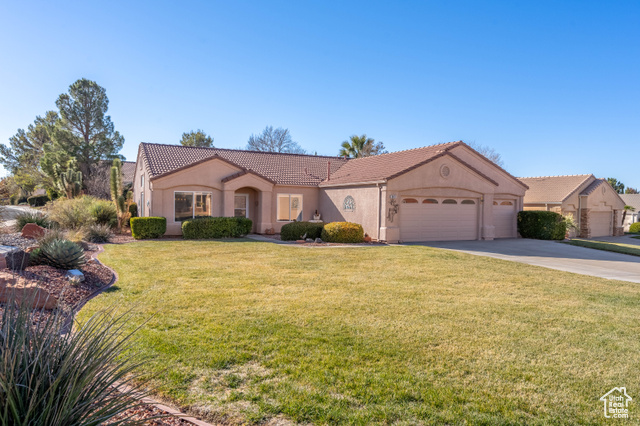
{"type": "Point", "coordinates": [283, 169]}
{"type": "Point", "coordinates": [552, 189]}
{"type": "Point", "coordinates": [385, 166]}
{"type": "Point", "coordinates": [128, 169]}
{"type": "Point", "coordinates": [592, 187]}
{"type": "Point", "coordinates": [632, 200]}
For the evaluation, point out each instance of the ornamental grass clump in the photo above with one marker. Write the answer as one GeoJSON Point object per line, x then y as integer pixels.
{"type": "Point", "coordinates": [52, 379]}
{"type": "Point", "coordinates": [31, 217]}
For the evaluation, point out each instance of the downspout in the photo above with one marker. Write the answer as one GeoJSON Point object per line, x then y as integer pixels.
{"type": "Point", "coordinates": [579, 214]}
{"type": "Point", "coordinates": [379, 218]}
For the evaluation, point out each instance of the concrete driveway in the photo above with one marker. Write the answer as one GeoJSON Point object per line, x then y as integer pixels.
{"type": "Point", "coordinates": [551, 254]}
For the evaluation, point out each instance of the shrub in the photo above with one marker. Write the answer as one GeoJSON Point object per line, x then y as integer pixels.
{"type": "Point", "coordinates": [133, 210]}
{"type": "Point", "coordinates": [635, 228]}
{"type": "Point", "coordinates": [35, 257]}
{"type": "Point", "coordinates": [13, 199]}
{"type": "Point", "coordinates": [148, 227]}
{"type": "Point", "coordinates": [72, 213]}
{"type": "Point", "coordinates": [62, 254]}
{"type": "Point", "coordinates": [104, 213]}
{"type": "Point", "coordinates": [343, 232]}
{"type": "Point", "coordinates": [38, 200]}
{"type": "Point", "coordinates": [216, 227]}
{"type": "Point", "coordinates": [295, 230]}
{"type": "Point", "coordinates": [97, 233]}
{"type": "Point", "coordinates": [30, 217]}
{"type": "Point", "coordinates": [54, 378]}
{"type": "Point", "coordinates": [541, 225]}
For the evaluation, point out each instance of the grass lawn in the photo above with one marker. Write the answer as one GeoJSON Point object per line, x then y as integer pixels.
{"type": "Point", "coordinates": [631, 249]}
{"type": "Point", "coordinates": [247, 332]}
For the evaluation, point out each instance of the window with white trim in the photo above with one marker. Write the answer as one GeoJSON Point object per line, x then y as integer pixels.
{"type": "Point", "coordinates": [289, 207]}
{"type": "Point", "coordinates": [190, 204]}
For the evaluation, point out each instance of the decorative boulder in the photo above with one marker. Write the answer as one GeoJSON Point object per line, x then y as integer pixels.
{"type": "Point", "coordinates": [13, 258]}
{"type": "Point", "coordinates": [75, 275]}
{"type": "Point", "coordinates": [319, 241]}
{"type": "Point", "coordinates": [33, 231]}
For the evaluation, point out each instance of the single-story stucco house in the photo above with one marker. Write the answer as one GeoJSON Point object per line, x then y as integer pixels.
{"type": "Point", "coordinates": [632, 216]}
{"type": "Point", "coordinates": [441, 192]}
{"type": "Point", "coordinates": [593, 203]}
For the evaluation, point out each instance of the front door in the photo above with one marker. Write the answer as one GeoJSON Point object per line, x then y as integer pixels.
{"type": "Point", "coordinates": [241, 205]}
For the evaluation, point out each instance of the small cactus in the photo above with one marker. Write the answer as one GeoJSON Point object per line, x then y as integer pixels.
{"type": "Point", "coordinates": [62, 254]}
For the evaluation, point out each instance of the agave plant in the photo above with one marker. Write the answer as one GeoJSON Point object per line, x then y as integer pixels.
{"type": "Point", "coordinates": [54, 379]}
{"type": "Point", "coordinates": [62, 254]}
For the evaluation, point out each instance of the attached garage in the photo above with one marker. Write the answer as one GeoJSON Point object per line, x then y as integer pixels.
{"type": "Point", "coordinates": [438, 219]}
{"type": "Point", "coordinates": [600, 223]}
{"type": "Point", "coordinates": [504, 218]}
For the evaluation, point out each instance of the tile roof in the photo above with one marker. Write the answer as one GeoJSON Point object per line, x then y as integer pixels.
{"type": "Point", "coordinates": [128, 170]}
{"type": "Point", "coordinates": [283, 169]}
{"type": "Point", "coordinates": [592, 186]}
{"type": "Point", "coordinates": [632, 200]}
{"type": "Point", "coordinates": [387, 166]}
{"type": "Point", "coordinates": [551, 189]}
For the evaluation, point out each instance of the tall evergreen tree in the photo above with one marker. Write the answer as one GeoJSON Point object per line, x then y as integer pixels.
{"type": "Point", "coordinates": [84, 131]}
{"type": "Point", "coordinates": [197, 138]}
{"type": "Point", "coordinates": [22, 156]}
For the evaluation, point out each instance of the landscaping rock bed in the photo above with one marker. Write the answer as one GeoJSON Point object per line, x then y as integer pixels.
{"type": "Point", "coordinates": [149, 411]}
{"type": "Point", "coordinates": [16, 240]}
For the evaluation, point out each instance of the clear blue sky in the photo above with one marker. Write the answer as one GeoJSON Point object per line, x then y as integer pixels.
{"type": "Point", "coordinates": [554, 86]}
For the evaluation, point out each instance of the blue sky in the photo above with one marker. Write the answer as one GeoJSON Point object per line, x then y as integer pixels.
{"type": "Point", "coordinates": [553, 86]}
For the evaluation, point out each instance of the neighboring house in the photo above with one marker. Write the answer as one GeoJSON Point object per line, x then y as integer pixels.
{"type": "Point", "coordinates": [593, 203]}
{"type": "Point", "coordinates": [440, 192]}
{"type": "Point", "coordinates": [632, 200]}
{"type": "Point", "coordinates": [128, 170]}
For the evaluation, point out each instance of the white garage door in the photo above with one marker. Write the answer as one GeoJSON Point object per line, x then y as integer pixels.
{"type": "Point", "coordinates": [504, 218]}
{"type": "Point", "coordinates": [438, 219]}
{"type": "Point", "coordinates": [600, 224]}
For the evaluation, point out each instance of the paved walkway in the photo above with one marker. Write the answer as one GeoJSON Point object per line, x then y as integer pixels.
{"type": "Point", "coordinates": [554, 255]}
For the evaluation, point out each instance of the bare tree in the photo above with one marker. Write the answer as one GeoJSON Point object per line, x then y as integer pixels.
{"type": "Point", "coordinates": [274, 140]}
{"type": "Point", "coordinates": [487, 152]}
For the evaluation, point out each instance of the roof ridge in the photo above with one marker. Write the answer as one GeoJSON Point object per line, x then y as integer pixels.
{"type": "Point", "coordinates": [410, 149]}
{"type": "Point", "coordinates": [246, 150]}
{"type": "Point", "coordinates": [538, 177]}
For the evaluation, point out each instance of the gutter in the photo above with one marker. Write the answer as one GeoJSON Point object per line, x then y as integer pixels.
{"type": "Point", "coordinates": [373, 182]}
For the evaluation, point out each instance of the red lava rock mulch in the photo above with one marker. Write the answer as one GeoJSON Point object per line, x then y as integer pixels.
{"type": "Point", "coordinates": [324, 244]}
{"type": "Point", "coordinates": [56, 283]}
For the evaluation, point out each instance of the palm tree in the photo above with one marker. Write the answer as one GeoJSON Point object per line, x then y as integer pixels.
{"type": "Point", "coordinates": [624, 213]}
{"type": "Point", "coordinates": [361, 146]}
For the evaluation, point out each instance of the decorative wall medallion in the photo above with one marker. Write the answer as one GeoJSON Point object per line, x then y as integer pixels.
{"type": "Point", "coordinates": [445, 171]}
{"type": "Point", "coordinates": [349, 204]}
{"type": "Point", "coordinates": [604, 189]}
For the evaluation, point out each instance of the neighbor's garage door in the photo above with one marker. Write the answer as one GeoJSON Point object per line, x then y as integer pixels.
{"type": "Point", "coordinates": [600, 224]}
{"type": "Point", "coordinates": [438, 219]}
{"type": "Point", "coordinates": [504, 218]}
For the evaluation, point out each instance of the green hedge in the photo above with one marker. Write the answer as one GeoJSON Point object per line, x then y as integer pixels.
{"type": "Point", "coordinates": [215, 227]}
{"type": "Point", "coordinates": [148, 227]}
{"type": "Point", "coordinates": [343, 232]}
{"type": "Point", "coordinates": [541, 225]}
{"type": "Point", "coordinates": [635, 228]}
{"type": "Point", "coordinates": [38, 200]}
{"type": "Point", "coordinates": [295, 230]}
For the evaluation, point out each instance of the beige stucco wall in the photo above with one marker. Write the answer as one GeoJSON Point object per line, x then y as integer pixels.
{"type": "Point", "coordinates": [140, 187]}
{"type": "Point", "coordinates": [309, 202]}
{"type": "Point", "coordinates": [365, 212]}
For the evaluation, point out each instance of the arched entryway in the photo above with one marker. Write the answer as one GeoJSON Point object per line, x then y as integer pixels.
{"type": "Point", "coordinates": [246, 204]}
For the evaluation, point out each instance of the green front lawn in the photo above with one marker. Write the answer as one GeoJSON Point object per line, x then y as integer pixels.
{"type": "Point", "coordinates": [632, 249]}
{"type": "Point", "coordinates": [247, 332]}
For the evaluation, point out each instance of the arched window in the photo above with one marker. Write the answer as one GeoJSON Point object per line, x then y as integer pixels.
{"type": "Point", "coordinates": [506, 203]}
{"type": "Point", "coordinates": [468, 202]}
{"type": "Point", "coordinates": [495, 203]}
{"type": "Point", "coordinates": [429, 201]}
{"type": "Point", "coordinates": [409, 201]}
{"type": "Point", "coordinates": [449, 201]}
{"type": "Point", "coordinates": [349, 204]}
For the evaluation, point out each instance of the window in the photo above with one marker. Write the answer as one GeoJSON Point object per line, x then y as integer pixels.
{"type": "Point", "coordinates": [289, 207]}
{"type": "Point", "coordinates": [141, 207]}
{"type": "Point", "coordinates": [409, 201]}
{"type": "Point", "coordinates": [141, 181]}
{"type": "Point", "coordinates": [188, 205]}
{"type": "Point", "coordinates": [349, 204]}
{"type": "Point", "coordinates": [468, 202]}
{"type": "Point", "coordinates": [506, 203]}
{"type": "Point", "coordinates": [429, 201]}
{"type": "Point", "coordinates": [449, 201]}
